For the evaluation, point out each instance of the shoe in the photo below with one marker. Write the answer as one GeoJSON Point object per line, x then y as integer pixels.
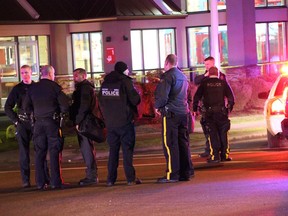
{"type": "Point", "coordinates": [184, 178]}
{"type": "Point", "coordinates": [43, 187]}
{"type": "Point", "coordinates": [110, 184]}
{"type": "Point", "coordinates": [204, 154]}
{"type": "Point", "coordinates": [226, 159]}
{"type": "Point", "coordinates": [87, 181]}
{"type": "Point", "coordinates": [136, 181]}
{"type": "Point", "coordinates": [213, 161]}
{"type": "Point", "coordinates": [26, 185]}
{"type": "Point", "coordinates": [165, 180]}
{"type": "Point", "coordinates": [59, 187]}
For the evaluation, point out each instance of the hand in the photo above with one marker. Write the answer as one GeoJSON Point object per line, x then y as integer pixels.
{"type": "Point", "coordinates": [77, 127]}
{"type": "Point", "coordinates": [157, 112]}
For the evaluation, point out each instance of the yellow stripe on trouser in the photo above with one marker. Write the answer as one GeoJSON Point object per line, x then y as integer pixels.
{"type": "Point", "coordinates": [227, 151]}
{"type": "Point", "coordinates": [60, 132]}
{"type": "Point", "coordinates": [167, 148]}
{"type": "Point", "coordinates": [211, 149]}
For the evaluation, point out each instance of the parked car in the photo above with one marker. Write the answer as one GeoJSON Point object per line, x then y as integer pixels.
{"type": "Point", "coordinates": [274, 110]}
{"type": "Point", "coordinates": [284, 123]}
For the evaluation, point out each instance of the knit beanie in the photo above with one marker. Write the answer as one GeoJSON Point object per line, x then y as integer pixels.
{"type": "Point", "coordinates": [120, 67]}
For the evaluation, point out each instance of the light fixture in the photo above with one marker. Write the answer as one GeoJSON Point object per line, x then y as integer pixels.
{"type": "Point", "coordinates": [125, 38]}
{"type": "Point", "coordinates": [108, 39]}
{"type": "Point", "coordinates": [29, 9]}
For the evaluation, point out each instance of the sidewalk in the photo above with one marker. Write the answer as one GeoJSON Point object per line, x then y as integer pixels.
{"type": "Point", "coordinates": [241, 135]}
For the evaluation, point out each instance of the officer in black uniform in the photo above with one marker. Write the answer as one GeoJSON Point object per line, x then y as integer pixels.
{"type": "Point", "coordinates": [213, 91]}
{"type": "Point", "coordinates": [47, 101]}
{"type": "Point", "coordinates": [118, 101]}
{"type": "Point", "coordinates": [171, 102]}
{"type": "Point", "coordinates": [23, 122]}
{"type": "Point", "coordinates": [81, 106]}
{"type": "Point", "coordinates": [209, 62]}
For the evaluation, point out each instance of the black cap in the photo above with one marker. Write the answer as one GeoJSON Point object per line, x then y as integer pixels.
{"type": "Point", "coordinates": [120, 67]}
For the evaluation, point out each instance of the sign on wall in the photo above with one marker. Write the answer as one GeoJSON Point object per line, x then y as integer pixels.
{"type": "Point", "coordinates": [110, 55]}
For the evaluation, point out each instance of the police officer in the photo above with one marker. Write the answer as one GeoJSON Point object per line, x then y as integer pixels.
{"type": "Point", "coordinates": [171, 102]}
{"type": "Point", "coordinates": [81, 106]}
{"type": "Point", "coordinates": [47, 101]}
{"type": "Point", "coordinates": [208, 62]}
{"type": "Point", "coordinates": [212, 92]}
{"type": "Point", "coordinates": [118, 101]}
{"type": "Point", "coordinates": [23, 123]}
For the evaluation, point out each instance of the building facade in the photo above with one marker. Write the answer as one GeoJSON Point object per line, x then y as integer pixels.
{"type": "Point", "coordinates": [250, 32]}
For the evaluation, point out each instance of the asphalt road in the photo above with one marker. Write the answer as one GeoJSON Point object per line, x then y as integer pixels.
{"type": "Point", "coordinates": [254, 183]}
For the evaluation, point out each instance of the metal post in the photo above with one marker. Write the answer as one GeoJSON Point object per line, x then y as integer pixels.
{"type": "Point", "coordinates": [214, 32]}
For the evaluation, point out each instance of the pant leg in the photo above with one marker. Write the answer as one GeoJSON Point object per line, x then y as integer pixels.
{"type": "Point", "coordinates": [214, 138]}
{"type": "Point", "coordinates": [40, 145]}
{"type": "Point", "coordinates": [113, 140]}
{"type": "Point", "coordinates": [205, 129]}
{"type": "Point", "coordinates": [224, 127]}
{"type": "Point", "coordinates": [186, 165]}
{"type": "Point", "coordinates": [23, 136]}
{"type": "Point", "coordinates": [170, 147]}
{"type": "Point", "coordinates": [89, 156]}
{"type": "Point", "coordinates": [128, 144]}
{"type": "Point", "coordinates": [55, 148]}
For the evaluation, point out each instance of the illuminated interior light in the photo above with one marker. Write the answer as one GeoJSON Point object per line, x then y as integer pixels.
{"type": "Point", "coordinates": [277, 107]}
{"type": "Point", "coordinates": [284, 70]}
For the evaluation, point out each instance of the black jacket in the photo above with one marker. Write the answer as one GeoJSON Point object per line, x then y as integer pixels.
{"type": "Point", "coordinates": [82, 99]}
{"type": "Point", "coordinates": [118, 99]}
{"type": "Point", "coordinates": [171, 92]}
{"type": "Point", "coordinates": [213, 91]}
{"type": "Point", "coordinates": [45, 98]}
{"type": "Point", "coordinates": [16, 97]}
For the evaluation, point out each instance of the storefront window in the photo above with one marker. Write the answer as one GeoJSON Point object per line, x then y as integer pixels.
{"type": "Point", "coordinates": [96, 52]}
{"type": "Point", "coordinates": [166, 43]}
{"type": "Point", "coordinates": [277, 42]}
{"type": "Point", "coordinates": [43, 46]}
{"type": "Point", "coordinates": [199, 45]}
{"type": "Point", "coordinates": [28, 53]}
{"type": "Point", "coordinates": [26, 38]}
{"type": "Point", "coordinates": [269, 3]}
{"type": "Point", "coordinates": [81, 51]}
{"type": "Point", "coordinates": [202, 5]}
{"type": "Point", "coordinates": [270, 39]}
{"type": "Point", "coordinates": [197, 5]}
{"type": "Point", "coordinates": [136, 44]}
{"type": "Point", "coordinates": [87, 51]}
{"type": "Point", "coordinates": [261, 39]}
{"type": "Point", "coordinates": [30, 50]}
{"type": "Point", "coordinates": [17, 51]}
{"type": "Point", "coordinates": [8, 61]}
{"type": "Point", "coordinates": [150, 48]}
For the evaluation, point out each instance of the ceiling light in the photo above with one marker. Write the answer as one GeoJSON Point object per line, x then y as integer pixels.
{"type": "Point", "coordinates": [29, 9]}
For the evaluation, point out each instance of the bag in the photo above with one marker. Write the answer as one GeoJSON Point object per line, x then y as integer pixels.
{"type": "Point", "coordinates": [93, 128]}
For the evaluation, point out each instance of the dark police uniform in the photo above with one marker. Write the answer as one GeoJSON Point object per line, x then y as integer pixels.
{"type": "Point", "coordinates": [46, 100]}
{"type": "Point", "coordinates": [24, 128]}
{"type": "Point", "coordinates": [213, 91]}
{"type": "Point", "coordinates": [198, 79]}
{"type": "Point", "coordinates": [118, 101]}
{"type": "Point", "coordinates": [171, 101]}
{"type": "Point", "coordinates": [82, 99]}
